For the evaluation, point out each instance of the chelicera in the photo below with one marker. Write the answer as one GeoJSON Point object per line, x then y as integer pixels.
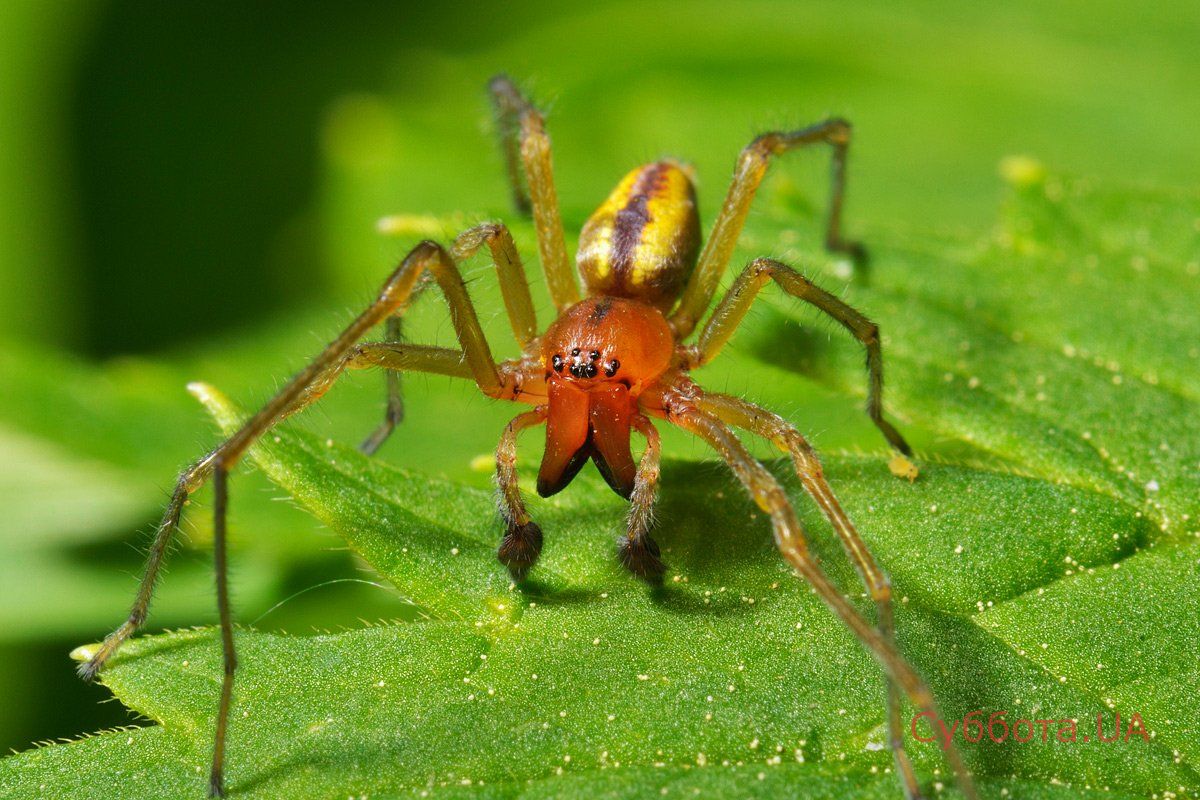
{"type": "Point", "coordinates": [613, 362]}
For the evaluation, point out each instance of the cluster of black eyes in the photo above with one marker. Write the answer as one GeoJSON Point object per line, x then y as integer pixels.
{"type": "Point", "coordinates": [584, 369]}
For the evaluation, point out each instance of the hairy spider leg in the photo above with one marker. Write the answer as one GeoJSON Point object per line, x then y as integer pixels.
{"type": "Point", "coordinates": [733, 308]}
{"type": "Point", "coordinates": [301, 390]}
{"type": "Point", "coordinates": [393, 356]}
{"type": "Point", "coordinates": [789, 537]}
{"type": "Point", "coordinates": [514, 288]}
{"type": "Point", "coordinates": [747, 176]}
{"type": "Point", "coordinates": [523, 137]}
{"type": "Point", "coordinates": [772, 427]}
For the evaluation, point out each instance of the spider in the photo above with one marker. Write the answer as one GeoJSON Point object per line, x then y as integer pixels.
{"type": "Point", "coordinates": [610, 363]}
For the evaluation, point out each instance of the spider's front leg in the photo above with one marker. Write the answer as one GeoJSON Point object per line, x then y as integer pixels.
{"type": "Point", "coordinates": [522, 542]}
{"type": "Point", "coordinates": [306, 387]}
{"type": "Point", "coordinates": [528, 153]}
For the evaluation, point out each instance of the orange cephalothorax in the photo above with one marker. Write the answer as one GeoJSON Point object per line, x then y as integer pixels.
{"type": "Point", "coordinates": [642, 241]}
{"type": "Point", "coordinates": [598, 357]}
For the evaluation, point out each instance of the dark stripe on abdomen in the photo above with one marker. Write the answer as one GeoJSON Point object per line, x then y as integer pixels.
{"type": "Point", "coordinates": [632, 220]}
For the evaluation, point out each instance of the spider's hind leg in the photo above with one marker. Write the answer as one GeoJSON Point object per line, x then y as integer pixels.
{"type": "Point", "coordinates": [637, 551]}
{"type": "Point", "coordinates": [527, 154]}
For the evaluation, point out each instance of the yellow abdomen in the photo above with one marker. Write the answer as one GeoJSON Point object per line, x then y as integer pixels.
{"type": "Point", "coordinates": [643, 240]}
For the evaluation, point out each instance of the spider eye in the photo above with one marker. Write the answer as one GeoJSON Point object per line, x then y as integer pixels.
{"type": "Point", "coordinates": [583, 369]}
{"type": "Point", "coordinates": [557, 362]}
{"type": "Point", "coordinates": [612, 368]}
{"type": "Point", "coordinates": [575, 351]}
{"type": "Point", "coordinates": [594, 355]}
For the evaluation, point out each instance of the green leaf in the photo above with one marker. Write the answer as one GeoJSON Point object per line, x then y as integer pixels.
{"type": "Point", "coordinates": [1045, 565]}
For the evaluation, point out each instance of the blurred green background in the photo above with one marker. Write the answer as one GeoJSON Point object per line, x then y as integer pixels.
{"type": "Point", "coordinates": [189, 191]}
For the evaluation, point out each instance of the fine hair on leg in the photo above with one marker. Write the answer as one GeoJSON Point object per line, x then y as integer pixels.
{"type": "Point", "coordinates": [393, 413]}
{"type": "Point", "coordinates": [216, 785]}
{"type": "Point", "coordinates": [510, 272]}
